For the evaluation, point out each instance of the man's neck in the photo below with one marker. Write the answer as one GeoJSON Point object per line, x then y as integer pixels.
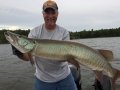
{"type": "Point", "coordinates": [50, 28]}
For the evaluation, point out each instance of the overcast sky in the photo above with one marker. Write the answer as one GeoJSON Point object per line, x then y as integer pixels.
{"type": "Point", "coordinates": [74, 15]}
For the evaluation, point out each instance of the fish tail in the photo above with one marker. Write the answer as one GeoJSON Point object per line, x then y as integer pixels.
{"type": "Point", "coordinates": [114, 79]}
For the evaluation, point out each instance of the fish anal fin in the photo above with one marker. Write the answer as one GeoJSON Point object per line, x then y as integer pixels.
{"type": "Point", "coordinates": [114, 79]}
{"type": "Point", "coordinates": [113, 84]}
{"type": "Point", "coordinates": [31, 59]}
{"type": "Point", "coordinates": [98, 75]}
{"type": "Point", "coordinates": [107, 54]}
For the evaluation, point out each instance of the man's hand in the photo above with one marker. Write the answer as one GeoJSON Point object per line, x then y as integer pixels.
{"type": "Point", "coordinates": [72, 61]}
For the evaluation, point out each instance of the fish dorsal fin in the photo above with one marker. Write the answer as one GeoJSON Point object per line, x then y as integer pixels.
{"type": "Point", "coordinates": [107, 54]}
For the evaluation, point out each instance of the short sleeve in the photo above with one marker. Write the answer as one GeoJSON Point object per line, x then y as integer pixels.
{"type": "Point", "coordinates": [32, 34]}
{"type": "Point", "coordinates": [66, 36]}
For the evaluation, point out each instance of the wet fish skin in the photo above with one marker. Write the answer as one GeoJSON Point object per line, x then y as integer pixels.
{"type": "Point", "coordinates": [64, 50]}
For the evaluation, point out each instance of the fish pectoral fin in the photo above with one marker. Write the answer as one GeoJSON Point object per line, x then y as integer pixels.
{"type": "Point", "coordinates": [107, 54]}
{"type": "Point", "coordinates": [31, 59]}
{"type": "Point", "coordinates": [74, 62]}
{"type": "Point", "coordinates": [98, 75]}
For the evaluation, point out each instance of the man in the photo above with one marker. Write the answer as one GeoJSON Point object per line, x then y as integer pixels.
{"type": "Point", "coordinates": [50, 75]}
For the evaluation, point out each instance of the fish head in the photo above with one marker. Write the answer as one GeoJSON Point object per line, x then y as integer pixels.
{"type": "Point", "coordinates": [22, 43]}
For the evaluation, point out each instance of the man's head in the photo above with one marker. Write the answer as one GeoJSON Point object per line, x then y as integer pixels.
{"type": "Point", "coordinates": [50, 13]}
{"type": "Point", "coordinates": [50, 4]}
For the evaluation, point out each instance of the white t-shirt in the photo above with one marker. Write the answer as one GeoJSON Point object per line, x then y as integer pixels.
{"type": "Point", "coordinates": [48, 70]}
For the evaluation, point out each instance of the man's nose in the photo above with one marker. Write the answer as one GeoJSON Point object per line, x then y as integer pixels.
{"type": "Point", "coordinates": [50, 15]}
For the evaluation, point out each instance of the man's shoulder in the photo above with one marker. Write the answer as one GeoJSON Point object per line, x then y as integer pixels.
{"type": "Point", "coordinates": [37, 27]}
{"type": "Point", "coordinates": [62, 29]}
{"type": "Point", "coordinates": [35, 31]}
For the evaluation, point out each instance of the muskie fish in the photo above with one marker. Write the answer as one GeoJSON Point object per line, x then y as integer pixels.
{"type": "Point", "coordinates": [97, 60]}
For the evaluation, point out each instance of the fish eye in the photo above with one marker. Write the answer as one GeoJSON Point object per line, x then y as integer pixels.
{"type": "Point", "coordinates": [19, 36]}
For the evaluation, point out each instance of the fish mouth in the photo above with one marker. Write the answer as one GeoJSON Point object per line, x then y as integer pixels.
{"type": "Point", "coordinates": [6, 34]}
{"type": "Point", "coordinates": [9, 36]}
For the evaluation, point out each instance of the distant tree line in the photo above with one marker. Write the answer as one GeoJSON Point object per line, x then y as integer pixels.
{"type": "Point", "coordinates": [114, 32]}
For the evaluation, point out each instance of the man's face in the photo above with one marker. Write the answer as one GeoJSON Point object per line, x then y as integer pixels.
{"type": "Point", "coordinates": [50, 16]}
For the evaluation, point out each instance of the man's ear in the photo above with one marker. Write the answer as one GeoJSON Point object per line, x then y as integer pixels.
{"type": "Point", "coordinates": [57, 13]}
{"type": "Point", "coordinates": [42, 12]}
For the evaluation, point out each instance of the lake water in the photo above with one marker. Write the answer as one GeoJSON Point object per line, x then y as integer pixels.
{"type": "Point", "coordinates": [16, 74]}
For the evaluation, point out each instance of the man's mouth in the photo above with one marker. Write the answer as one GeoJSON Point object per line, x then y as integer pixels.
{"type": "Point", "coordinates": [50, 19]}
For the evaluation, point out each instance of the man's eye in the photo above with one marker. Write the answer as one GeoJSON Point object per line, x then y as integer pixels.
{"type": "Point", "coordinates": [47, 12]}
{"type": "Point", "coordinates": [53, 13]}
